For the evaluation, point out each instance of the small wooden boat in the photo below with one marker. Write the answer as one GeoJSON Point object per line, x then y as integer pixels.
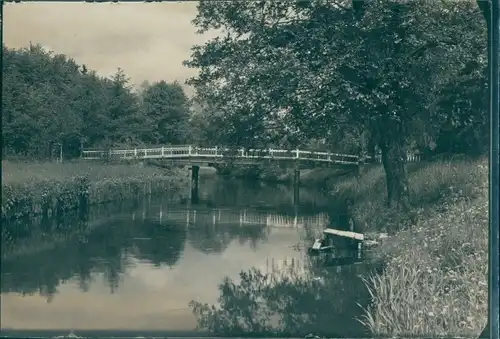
{"type": "Point", "coordinates": [345, 234]}
{"type": "Point", "coordinates": [335, 239]}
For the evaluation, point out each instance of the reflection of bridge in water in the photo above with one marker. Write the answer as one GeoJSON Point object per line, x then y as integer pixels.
{"type": "Point", "coordinates": [300, 265]}
{"type": "Point", "coordinates": [291, 266]}
{"type": "Point", "coordinates": [288, 267]}
{"type": "Point", "coordinates": [242, 218]}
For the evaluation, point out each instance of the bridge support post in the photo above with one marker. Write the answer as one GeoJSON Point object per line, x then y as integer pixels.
{"type": "Point", "coordinates": [296, 182]}
{"type": "Point", "coordinates": [194, 183]}
{"type": "Point", "coordinates": [359, 169]}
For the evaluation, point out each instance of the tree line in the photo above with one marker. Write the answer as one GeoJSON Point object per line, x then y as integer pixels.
{"type": "Point", "coordinates": [351, 75]}
{"type": "Point", "coordinates": [345, 75]}
{"type": "Point", "coordinates": [49, 101]}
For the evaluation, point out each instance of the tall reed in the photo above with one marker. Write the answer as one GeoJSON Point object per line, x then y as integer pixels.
{"type": "Point", "coordinates": [435, 280]}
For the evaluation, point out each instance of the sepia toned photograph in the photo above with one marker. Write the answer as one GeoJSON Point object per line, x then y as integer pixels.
{"type": "Point", "coordinates": [286, 169]}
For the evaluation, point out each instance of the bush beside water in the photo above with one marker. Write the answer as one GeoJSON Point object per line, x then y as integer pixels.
{"type": "Point", "coordinates": [30, 189]}
{"type": "Point", "coordinates": [434, 282]}
{"type": "Point", "coordinates": [435, 279]}
{"type": "Point", "coordinates": [431, 185]}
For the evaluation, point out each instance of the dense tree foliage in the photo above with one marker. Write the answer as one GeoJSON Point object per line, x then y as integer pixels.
{"type": "Point", "coordinates": [162, 104]}
{"type": "Point", "coordinates": [49, 100]}
{"type": "Point", "coordinates": [399, 75]}
{"type": "Point", "coordinates": [343, 75]}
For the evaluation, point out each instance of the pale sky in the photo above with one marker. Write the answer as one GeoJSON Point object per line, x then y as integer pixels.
{"type": "Point", "coordinates": [149, 41]}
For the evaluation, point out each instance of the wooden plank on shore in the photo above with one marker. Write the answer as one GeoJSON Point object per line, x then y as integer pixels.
{"type": "Point", "coordinates": [317, 245]}
{"type": "Point", "coordinates": [346, 234]}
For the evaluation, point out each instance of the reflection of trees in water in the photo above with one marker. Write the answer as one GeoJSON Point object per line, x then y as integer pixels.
{"type": "Point", "coordinates": [288, 305]}
{"type": "Point", "coordinates": [83, 268]}
{"type": "Point", "coordinates": [165, 242]}
{"type": "Point", "coordinates": [40, 272]}
{"type": "Point", "coordinates": [209, 238]}
{"type": "Point", "coordinates": [112, 264]}
{"type": "Point", "coordinates": [25, 236]}
{"type": "Point", "coordinates": [80, 256]}
{"type": "Point", "coordinates": [253, 235]}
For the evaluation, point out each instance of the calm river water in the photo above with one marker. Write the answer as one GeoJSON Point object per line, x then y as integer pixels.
{"type": "Point", "coordinates": [135, 266]}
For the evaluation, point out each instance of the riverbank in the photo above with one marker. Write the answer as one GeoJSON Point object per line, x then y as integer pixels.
{"type": "Point", "coordinates": [435, 280]}
{"type": "Point", "coordinates": [30, 188]}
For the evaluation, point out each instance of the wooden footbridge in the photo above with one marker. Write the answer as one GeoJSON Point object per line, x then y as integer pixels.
{"type": "Point", "coordinates": [195, 157]}
{"type": "Point", "coordinates": [212, 155]}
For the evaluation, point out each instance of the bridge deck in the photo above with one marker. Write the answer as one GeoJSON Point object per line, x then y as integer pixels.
{"type": "Point", "coordinates": [211, 155]}
{"type": "Point", "coordinates": [200, 154]}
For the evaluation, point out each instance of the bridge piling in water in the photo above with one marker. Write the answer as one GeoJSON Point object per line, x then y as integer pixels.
{"type": "Point", "coordinates": [194, 183]}
{"type": "Point", "coordinates": [296, 184]}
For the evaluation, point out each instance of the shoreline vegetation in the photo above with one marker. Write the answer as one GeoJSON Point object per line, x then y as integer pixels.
{"type": "Point", "coordinates": [434, 281]}
{"type": "Point", "coordinates": [31, 189]}
{"type": "Point", "coordinates": [435, 261]}
{"type": "Point", "coordinates": [435, 277]}
{"type": "Point", "coordinates": [389, 95]}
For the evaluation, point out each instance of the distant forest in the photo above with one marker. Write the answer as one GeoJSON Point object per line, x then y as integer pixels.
{"type": "Point", "coordinates": [49, 100]}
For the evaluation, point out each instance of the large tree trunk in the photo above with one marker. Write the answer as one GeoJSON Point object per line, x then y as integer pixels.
{"type": "Point", "coordinates": [392, 145]}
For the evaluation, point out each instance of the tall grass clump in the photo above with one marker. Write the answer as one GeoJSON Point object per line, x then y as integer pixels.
{"type": "Point", "coordinates": [30, 189]}
{"type": "Point", "coordinates": [435, 279]}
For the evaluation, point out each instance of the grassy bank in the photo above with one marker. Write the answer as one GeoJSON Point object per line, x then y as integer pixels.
{"type": "Point", "coordinates": [433, 277]}
{"type": "Point", "coordinates": [435, 282]}
{"type": "Point", "coordinates": [30, 188]}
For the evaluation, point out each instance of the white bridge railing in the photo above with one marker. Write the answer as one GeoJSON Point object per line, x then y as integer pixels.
{"type": "Point", "coordinates": [194, 152]}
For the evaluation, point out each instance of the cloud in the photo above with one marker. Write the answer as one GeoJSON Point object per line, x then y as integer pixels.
{"type": "Point", "coordinates": [148, 40]}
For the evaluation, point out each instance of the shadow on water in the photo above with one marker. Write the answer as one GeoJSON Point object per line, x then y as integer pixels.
{"type": "Point", "coordinates": [326, 299]}
{"type": "Point", "coordinates": [158, 256]}
{"type": "Point", "coordinates": [256, 194]}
